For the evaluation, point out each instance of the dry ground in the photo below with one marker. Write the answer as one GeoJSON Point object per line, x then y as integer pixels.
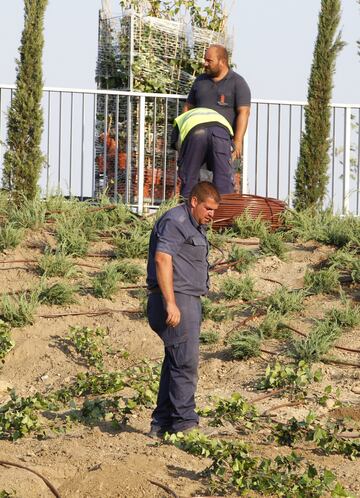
{"type": "Point", "coordinates": [100, 461]}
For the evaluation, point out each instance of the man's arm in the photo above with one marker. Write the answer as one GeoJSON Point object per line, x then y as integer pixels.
{"type": "Point", "coordinates": [242, 118]}
{"type": "Point", "coordinates": [164, 275]}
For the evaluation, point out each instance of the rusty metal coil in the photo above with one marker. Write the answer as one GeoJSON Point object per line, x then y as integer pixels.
{"type": "Point", "coordinates": [233, 205]}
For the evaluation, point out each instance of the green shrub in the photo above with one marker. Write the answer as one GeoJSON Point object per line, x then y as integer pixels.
{"type": "Point", "coordinates": [89, 343]}
{"type": "Point", "coordinates": [323, 281]}
{"type": "Point", "coordinates": [59, 293]}
{"type": "Point", "coordinates": [105, 283]}
{"type": "Point", "coordinates": [272, 326]}
{"type": "Point", "coordinates": [272, 244]}
{"type": "Point", "coordinates": [215, 312]}
{"type": "Point", "coordinates": [31, 214]}
{"type": "Point", "coordinates": [209, 337]}
{"type": "Point", "coordinates": [347, 317]}
{"type": "Point", "coordinates": [293, 376]}
{"type": "Point", "coordinates": [243, 257]}
{"type": "Point", "coordinates": [19, 310]}
{"type": "Point", "coordinates": [10, 236]}
{"type": "Point", "coordinates": [132, 245]}
{"type": "Point", "coordinates": [236, 288]}
{"type": "Point", "coordinates": [285, 302]}
{"type": "Point", "coordinates": [318, 342]}
{"type": "Point", "coordinates": [71, 238]}
{"type": "Point", "coordinates": [6, 343]}
{"type": "Point", "coordinates": [246, 226]}
{"type": "Point", "coordinates": [244, 345]}
{"type": "Point", "coordinates": [56, 265]}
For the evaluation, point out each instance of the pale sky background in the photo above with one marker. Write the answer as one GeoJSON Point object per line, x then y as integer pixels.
{"type": "Point", "coordinates": [273, 45]}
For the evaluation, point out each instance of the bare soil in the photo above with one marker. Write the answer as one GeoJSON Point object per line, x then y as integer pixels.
{"type": "Point", "coordinates": [99, 461]}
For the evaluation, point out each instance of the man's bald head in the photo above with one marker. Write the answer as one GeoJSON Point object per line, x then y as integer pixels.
{"type": "Point", "coordinates": [221, 52]}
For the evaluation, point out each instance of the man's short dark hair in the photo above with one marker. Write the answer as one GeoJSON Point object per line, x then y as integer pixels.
{"type": "Point", "coordinates": [221, 52]}
{"type": "Point", "coordinates": [205, 190]}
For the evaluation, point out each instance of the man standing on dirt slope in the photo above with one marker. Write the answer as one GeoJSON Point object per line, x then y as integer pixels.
{"type": "Point", "coordinates": [226, 92]}
{"type": "Point", "coordinates": [177, 275]}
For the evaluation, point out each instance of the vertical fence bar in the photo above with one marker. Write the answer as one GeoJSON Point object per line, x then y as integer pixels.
{"type": "Point", "coordinates": [176, 153]}
{"type": "Point", "coordinates": [93, 146]}
{"type": "Point", "coordinates": [165, 149]}
{"type": "Point", "coordinates": [141, 157]}
{"type": "Point", "coordinates": [105, 141]}
{"type": "Point", "coordinates": [60, 137]}
{"type": "Point", "coordinates": [289, 155]}
{"type": "Point", "coordinates": [82, 146]}
{"type": "Point", "coordinates": [128, 149]}
{"type": "Point", "coordinates": [48, 146]}
{"type": "Point", "coordinates": [153, 171]}
{"type": "Point", "coordinates": [256, 147]}
{"type": "Point", "coordinates": [71, 140]}
{"type": "Point", "coordinates": [1, 142]}
{"type": "Point", "coordinates": [333, 157]}
{"type": "Point", "coordinates": [245, 164]}
{"type": "Point", "coordinates": [347, 156]}
{"type": "Point", "coordinates": [267, 149]}
{"type": "Point", "coordinates": [278, 153]}
{"type": "Point", "coordinates": [358, 169]}
{"type": "Point", "coordinates": [116, 165]}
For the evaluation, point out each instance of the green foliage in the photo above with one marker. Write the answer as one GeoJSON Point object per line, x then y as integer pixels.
{"type": "Point", "coordinates": [347, 317]}
{"type": "Point", "coordinates": [6, 343]}
{"type": "Point", "coordinates": [244, 345]}
{"type": "Point", "coordinates": [23, 160]}
{"type": "Point", "coordinates": [246, 226]}
{"type": "Point", "coordinates": [217, 238]}
{"type": "Point", "coordinates": [133, 244]}
{"type": "Point", "coordinates": [59, 293]}
{"type": "Point", "coordinates": [105, 283]}
{"type": "Point", "coordinates": [236, 288]}
{"type": "Point", "coordinates": [235, 410]}
{"type": "Point", "coordinates": [326, 437]}
{"type": "Point", "coordinates": [311, 175]}
{"type": "Point", "coordinates": [70, 236]}
{"type": "Point", "coordinates": [234, 470]}
{"type": "Point", "coordinates": [318, 342]}
{"type": "Point", "coordinates": [56, 265]}
{"type": "Point", "coordinates": [10, 236]}
{"type": "Point", "coordinates": [323, 226]}
{"type": "Point", "coordinates": [89, 343]}
{"type": "Point", "coordinates": [272, 244]}
{"type": "Point", "coordinates": [215, 312]}
{"type": "Point", "coordinates": [19, 310]}
{"type": "Point", "coordinates": [18, 416]}
{"type": "Point", "coordinates": [324, 281]}
{"type": "Point", "coordinates": [30, 214]}
{"type": "Point", "coordinates": [243, 257]}
{"type": "Point", "coordinates": [5, 494]}
{"type": "Point", "coordinates": [209, 337]}
{"type": "Point", "coordinates": [284, 302]}
{"type": "Point", "coordinates": [272, 326]}
{"type": "Point", "coordinates": [296, 377]}
{"type": "Point", "coordinates": [343, 259]}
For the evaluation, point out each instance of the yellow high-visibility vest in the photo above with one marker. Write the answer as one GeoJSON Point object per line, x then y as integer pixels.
{"type": "Point", "coordinates": [197, 116]}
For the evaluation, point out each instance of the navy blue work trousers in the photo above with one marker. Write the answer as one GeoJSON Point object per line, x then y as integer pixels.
{"type": "Point", "coordinates": [175, 410]}
{"type": "Point", "coordinates": [211, 145]}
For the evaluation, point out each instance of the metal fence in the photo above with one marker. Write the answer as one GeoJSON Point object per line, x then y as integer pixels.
{"type": "Point", "coordinates": [96, 140]}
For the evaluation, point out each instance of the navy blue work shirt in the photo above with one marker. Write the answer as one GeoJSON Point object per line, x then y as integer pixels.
{"type": "Point", "coordinates": [224, 96]}
{"type": "Point", "coordinates": [178, 234]}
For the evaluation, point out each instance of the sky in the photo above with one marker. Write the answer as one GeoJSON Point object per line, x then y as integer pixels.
{"type": "Point", "coordinates": [273, 45]}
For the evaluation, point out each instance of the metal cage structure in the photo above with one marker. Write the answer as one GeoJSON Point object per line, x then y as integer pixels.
{"type": "Point", "coordinates": [139, 53]}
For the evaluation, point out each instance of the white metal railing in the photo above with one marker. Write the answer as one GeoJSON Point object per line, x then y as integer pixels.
{"type": "Point", "coordinates": [98, 139]}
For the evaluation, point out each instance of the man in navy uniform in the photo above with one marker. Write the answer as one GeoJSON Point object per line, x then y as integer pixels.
{"type": "Point", "coordinates": [177, 275]}
{"type": "Point", "coordinates": [227, 93]}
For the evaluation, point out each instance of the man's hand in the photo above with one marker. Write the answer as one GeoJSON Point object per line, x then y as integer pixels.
{"type": "Point", "coordinates": [173, 315]}
{"type": "Point", "coordinates": [237, 152]}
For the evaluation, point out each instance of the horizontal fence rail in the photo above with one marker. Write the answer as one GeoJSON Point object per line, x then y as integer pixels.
{"type": "Point", "coordinates": [119, 142]}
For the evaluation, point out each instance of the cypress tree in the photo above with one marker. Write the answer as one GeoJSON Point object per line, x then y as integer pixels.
{"type": "Point", "coordinates": [23, 159]}
{"type": "Point", "coordinates": [311, 176]}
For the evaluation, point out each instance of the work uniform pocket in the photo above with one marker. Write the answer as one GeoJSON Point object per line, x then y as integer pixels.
{"type": "Point", "coordinates": [221, 142]}
{"type": "Point", "coordinates": [195, 248]}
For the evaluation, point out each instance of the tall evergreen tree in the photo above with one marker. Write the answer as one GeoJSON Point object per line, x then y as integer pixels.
{"type": "Point", "coordinates": [311, 175]}
{"type": "Point", "coordinates": [23, 159]}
